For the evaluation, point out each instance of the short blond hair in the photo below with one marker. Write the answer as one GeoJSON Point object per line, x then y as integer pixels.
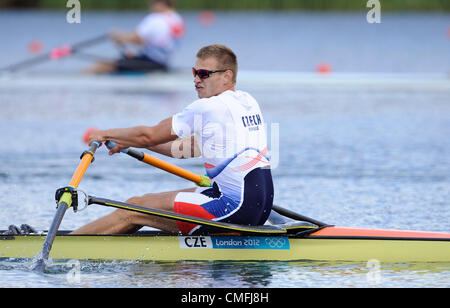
{"type": "Point", "coordinates": [225, 57]}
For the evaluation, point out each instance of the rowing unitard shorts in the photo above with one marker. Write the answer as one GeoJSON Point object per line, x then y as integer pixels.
{"type": "Point", "coordinates": [210, 203]}
{"type": "Point", "coordinates": [140, 63]}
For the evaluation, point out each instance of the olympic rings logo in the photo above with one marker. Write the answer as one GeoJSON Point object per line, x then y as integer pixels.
{"type": "Point", "coordinates": [276, 242]}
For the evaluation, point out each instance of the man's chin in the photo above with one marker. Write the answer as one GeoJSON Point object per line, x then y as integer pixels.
{"type": "Point", "coordinates": [200, 94]}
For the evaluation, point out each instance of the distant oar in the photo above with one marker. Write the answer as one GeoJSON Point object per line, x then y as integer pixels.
{"type": "Point", "coordinates": [202, 180]}
{"type": "Point", "coordinates": [56, 53]}
{"type": "Point", "coordinates": [64, 202]}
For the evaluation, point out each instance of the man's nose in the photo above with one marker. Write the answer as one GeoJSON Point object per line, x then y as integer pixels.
{"type": "Point", "coordinates": [197, 79]}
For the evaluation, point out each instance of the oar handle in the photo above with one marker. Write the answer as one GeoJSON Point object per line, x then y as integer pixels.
{"type": "Point", "coordinates": [200, 180]}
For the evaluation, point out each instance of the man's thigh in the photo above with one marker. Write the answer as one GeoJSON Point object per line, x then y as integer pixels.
{"type": "Point", "coordinates": [163, 200]}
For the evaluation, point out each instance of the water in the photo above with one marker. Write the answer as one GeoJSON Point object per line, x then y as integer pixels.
{"type": "Point", "coordinates": [377, 159]}
{"type": "Point", "coordinates": [298, 274]}
{"type": "Point", "coordinates": [263, 40]}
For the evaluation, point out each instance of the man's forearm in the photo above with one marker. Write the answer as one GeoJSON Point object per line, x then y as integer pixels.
{"type": "Point", "coordinates": [164, 149]}
{"type": "Point", "coordinates": [139, 136]}
{"type": "Point", "coordinates": [180, 148]}
{"type": "Point", "coordinates": [126, 38]}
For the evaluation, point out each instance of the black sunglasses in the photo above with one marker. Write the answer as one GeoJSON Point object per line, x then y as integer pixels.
{"type": "Point", "coordinates": [203, 74]}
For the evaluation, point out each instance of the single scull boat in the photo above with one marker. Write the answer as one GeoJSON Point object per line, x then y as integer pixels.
{"type": "Point", "coordinates": [327, 244]}
{"type": "Point", "coordinates": [291, 236]}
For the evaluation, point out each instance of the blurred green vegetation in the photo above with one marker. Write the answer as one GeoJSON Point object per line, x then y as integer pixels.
{"type": "Point", "coordinates": [315, 5]}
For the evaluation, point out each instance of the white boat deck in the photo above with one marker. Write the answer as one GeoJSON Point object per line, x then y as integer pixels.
{"type": "Point", "coordinates": [260, 80]}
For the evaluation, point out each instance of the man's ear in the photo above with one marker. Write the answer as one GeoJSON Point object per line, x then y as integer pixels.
{"type": "Point", "coordinates": [228, 76]}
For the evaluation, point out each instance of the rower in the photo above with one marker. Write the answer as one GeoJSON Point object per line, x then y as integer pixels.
{"type": "Point", "coordinates": [156, 37]}
{"type": "Point", "coordinates": [226, 127]}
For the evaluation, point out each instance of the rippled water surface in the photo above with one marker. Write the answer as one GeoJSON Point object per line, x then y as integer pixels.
{"type": "Point", "coordinates": [377, 159]}
{"type": "Point", "coordinates": [298, 274]}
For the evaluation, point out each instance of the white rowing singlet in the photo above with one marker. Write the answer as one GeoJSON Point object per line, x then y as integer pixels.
{"type": "Point", "coordinates": [233, 137]}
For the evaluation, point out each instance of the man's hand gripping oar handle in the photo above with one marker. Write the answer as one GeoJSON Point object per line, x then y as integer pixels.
{"type": "Point", "coordinates": [200, 180]}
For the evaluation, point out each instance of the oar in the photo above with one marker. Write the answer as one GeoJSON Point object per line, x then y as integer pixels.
{"type": "Point", "coordinates": [217, 225]}
{"type": "Point", "coordinates": [201, 180]}
{"type": "Point", "coordinates": [290, 214]}
{"type": "Point", "coordinates": [64, 202]}
{"type": "Point", "coordinates": [56, 53]}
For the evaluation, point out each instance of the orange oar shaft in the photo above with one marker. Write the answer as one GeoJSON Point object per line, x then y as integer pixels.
{"type": "Point", "coordinates": [86, 160]}
{"type": "Point", "coordinates": [200, 180]}
{"type": "Point", "coordinates": [159, 163]}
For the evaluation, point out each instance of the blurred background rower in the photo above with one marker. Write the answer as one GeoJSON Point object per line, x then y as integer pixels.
{"type": "Point", "coordinates": [155, 38]}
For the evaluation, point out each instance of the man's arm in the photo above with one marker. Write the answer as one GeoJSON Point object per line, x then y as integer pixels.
{"type": "Point", "coordinates": [138, 136]}
{"type": "Point", "coordinates": [180, 148]}
{"type": "Point", "coordinates": [122, 38]}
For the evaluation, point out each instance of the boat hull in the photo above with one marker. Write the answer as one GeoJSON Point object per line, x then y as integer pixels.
{"type": "Point", "coordinates": [154, 246]}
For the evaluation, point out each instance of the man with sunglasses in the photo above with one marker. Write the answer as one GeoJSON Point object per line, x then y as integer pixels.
{"type": "Point", "coordinates": [227, 127]}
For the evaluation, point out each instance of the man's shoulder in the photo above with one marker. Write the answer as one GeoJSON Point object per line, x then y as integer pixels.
{"type": "Point", "coordinates": [208, 103]}
{"type": "Point", "coordinates": [153, 19]}
{"type": "Point", "coordinates": [241, 98]}
{"type": "Point", "coordinates": [237, 95]}
{"type": "Point", "coordinates": [219, 101]}
{"type": "Point", "coordinates": [174, 16]}
{"type": "Point", "coordinates": [164, 17]}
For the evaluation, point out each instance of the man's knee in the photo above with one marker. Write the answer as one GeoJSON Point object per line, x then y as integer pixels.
{"type": "Point", "coordinates": [127, 215]}
{"type": "Point", "coordinates": [135, 200]}
{"type": "Point", "coordinates": [161, 201]}
{"type": "Point", "coordinates": [132, 216]}
{"type": "Point", "coordinates": [143, 200]}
